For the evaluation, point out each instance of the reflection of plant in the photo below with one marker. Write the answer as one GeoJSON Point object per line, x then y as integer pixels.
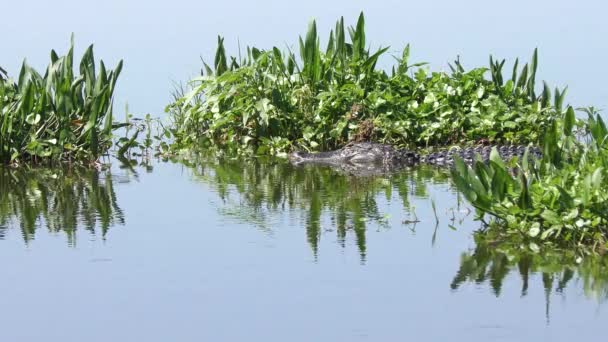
{"type": "Point", "coordinates": [60, 199]}
{"type": "Point", "coordinates": [266, 187]}
{"type": "Point", "coordinates": [490, 262]}
{"type": "Point", "coordinates": [270, 101]}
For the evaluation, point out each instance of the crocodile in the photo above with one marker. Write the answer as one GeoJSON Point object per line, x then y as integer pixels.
{"type": "Point", "coordinates": [370, 156]}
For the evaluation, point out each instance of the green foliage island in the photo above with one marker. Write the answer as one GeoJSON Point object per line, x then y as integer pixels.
{"type": "Point", "coordinates": [270, 102]}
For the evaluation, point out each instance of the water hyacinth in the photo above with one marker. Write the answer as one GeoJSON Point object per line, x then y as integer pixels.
{"type": "Point", "coordinates": [271, 101]}
{"type": "Point", "coordinates": [559, 199]}
{"type": "Point", "coordinates": [58, 116]}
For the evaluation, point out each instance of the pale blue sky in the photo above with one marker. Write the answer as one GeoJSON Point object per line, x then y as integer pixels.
{"type": "Point", "coordinates": [161, 41]}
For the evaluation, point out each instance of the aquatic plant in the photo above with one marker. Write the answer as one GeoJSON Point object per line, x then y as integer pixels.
{"type": "Point", "coordinates": [270, 101]}
{"type": "Point", "coordinates": [559, 200]}
{"type": "Point", "coordinates": [134, 145]}
{"type": "Point", "coordinates": [3, 75]}
{"type": "Point", "coordinates": [58, 116]}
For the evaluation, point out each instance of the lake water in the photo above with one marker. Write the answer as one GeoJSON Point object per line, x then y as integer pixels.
{"type": "Point", "coordinates": [233, 250]}
{"type": "Point", "coordinates": [221, 249]}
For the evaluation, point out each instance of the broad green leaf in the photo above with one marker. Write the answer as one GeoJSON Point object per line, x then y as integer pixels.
{"type": "Point", "coordinates": [569, 121]}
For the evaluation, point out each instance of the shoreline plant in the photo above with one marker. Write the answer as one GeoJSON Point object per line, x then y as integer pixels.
{"type": "Point", "coordinates": [3, 75]}
{"type": "Point", "coordinates": [60, 115]}
{"type": "Point", "coordinates": [559, 200]}
{"type": "Point", "coordinates": [271, 101]}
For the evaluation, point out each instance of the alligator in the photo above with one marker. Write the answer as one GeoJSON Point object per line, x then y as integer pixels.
{"type": "Point", "coordinates": [375, 156]}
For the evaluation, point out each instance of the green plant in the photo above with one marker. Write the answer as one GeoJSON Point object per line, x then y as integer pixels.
{"type": "Point", "coordinates": [557, 200]}
{"type": "Point", "coordinates": [3, 75]}
{"type": "Point", "coordinates": [152, 144]}
{"type": "Point", "coordinates": [58, 116]}
{"type": "Point", "coordinates": [270, 102]}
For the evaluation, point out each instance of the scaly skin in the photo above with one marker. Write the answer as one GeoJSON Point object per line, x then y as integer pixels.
{"type": "Point", "coordinates": [364, 153]}
{"type": "Point", "coordinates": [468, 154]}
{"type": "Point", "coordinates": [370, 155]}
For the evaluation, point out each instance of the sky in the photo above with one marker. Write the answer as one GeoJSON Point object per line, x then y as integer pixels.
{"type": "Point", "coordinates": [161, 42]}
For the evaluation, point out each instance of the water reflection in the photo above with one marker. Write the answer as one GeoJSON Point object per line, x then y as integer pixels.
{"type": "Point", "coordinates": [491, 264]}
{"type": "Point", "coordinates": [319, 194]}
{"type": "Point", "coordinates": [59, 199]}
{"type": "Point", "coordinates": [255, 191]}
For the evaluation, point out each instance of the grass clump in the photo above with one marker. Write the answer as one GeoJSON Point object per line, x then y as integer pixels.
{"type": "Point", "coordinates": [270, 101]}
{"type": "Point", "coordinates": [559, 200]}
{"type": "Point", "coordinates": [58, 116]}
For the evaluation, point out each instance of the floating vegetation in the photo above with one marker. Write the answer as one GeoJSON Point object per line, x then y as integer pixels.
{"type": "Point", "coordinates": [559, 200]}
{"type": "Point", "coordinates": [58, 116]}
{"type": "Point", "coordinates": [61, 200]}
{"type": "Point", "coordinates": [271, 101]}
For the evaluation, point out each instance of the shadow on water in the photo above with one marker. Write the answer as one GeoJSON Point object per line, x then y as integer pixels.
{"type": "Point", "coordinates": [318, 193]}
{"type": "Point", "coordinates": [61, 200]}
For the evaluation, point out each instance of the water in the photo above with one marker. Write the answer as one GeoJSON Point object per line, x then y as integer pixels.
{"type": "Point", "coordinates": [233, 250]}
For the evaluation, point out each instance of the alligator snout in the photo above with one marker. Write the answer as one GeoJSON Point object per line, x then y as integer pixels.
{"type": "Point", "coordinates": [298, 157]}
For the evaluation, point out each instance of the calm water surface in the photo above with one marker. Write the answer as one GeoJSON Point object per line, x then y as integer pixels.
{"type": "Point", "coordinates": [232, 250]}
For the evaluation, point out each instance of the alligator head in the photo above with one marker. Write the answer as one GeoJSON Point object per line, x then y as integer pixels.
{"type": "Point", "coordinates": [365, 153]}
